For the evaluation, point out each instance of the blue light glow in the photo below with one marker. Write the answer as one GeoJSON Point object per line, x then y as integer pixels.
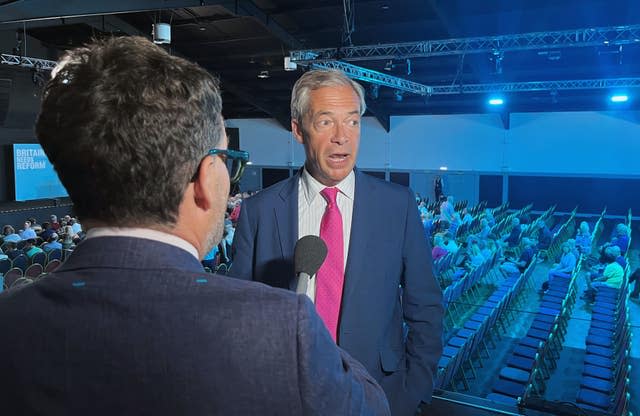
{"type": "Point", "coordinates": [496, 101]}
{"type": "Point", "coordinates": [619, 98]}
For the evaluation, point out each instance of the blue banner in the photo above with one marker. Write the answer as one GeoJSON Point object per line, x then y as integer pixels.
{"type": "Point", "coordinates": [34, 175]}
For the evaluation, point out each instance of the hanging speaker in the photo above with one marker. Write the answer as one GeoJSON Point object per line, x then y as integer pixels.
{"type": "Point", "coordinates": [161, 33]}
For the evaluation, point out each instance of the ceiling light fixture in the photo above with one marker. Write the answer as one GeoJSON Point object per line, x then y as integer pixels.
{"type": "Point", "coordinates": [619, 98]}
{"type": "Point", "coordinates": [263, 74]}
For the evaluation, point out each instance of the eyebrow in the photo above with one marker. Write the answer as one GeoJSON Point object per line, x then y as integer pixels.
{"type": "Point", "coordinates": [328, 112]}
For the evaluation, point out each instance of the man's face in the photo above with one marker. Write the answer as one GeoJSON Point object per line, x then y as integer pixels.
{"type": "Point", "coordinates": [330, 133]}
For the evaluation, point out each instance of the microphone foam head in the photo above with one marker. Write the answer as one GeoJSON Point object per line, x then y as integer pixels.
{"type": "Point", "coordinates": [309, 254]}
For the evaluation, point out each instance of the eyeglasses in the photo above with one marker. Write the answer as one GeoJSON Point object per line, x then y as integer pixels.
{"type": "Point", "coordinates": [236, 160]}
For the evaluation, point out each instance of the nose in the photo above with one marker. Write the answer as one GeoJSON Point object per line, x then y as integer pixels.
{"type": "Point", "coordinates": [340, 134]}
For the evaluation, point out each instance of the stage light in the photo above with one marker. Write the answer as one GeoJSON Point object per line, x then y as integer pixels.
{"type": "Point", "coordinates": [444, 168]}
{"type": "Point", "coordinates": [496, 101]}
{"type": "Point", "coordinates": [619, 98]}
{"type": "Point", "coordinates": [263, 74]}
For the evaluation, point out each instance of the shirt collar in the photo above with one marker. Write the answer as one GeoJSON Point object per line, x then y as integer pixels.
{"type": "Point", "coordinates": [146, 233]}
{"type": "Point", "coordinates": [311, 187]}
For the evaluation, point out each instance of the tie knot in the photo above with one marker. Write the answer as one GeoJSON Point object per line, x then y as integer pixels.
{"type": "Point", "coordinates": [329, 194]}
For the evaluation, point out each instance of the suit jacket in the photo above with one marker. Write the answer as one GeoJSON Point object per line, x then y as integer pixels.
{"type": "Point", "coordinates": [389, 259]}
{"type": "Point", "coordinates": [132, 326]}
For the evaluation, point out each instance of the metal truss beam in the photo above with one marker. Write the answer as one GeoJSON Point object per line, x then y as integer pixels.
{"type": "Point", "coordinates": [375, 77]}
{"type": "Point", "coordinates": [27, 62]}
{"type": "Point", "coordinates": [579, 84]}
{"type": "Point", "coordinates": [616, 35]}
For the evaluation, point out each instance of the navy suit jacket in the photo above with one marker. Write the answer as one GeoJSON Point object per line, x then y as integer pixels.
{"type": "Point", "coordinates": [132, 326]}
{"type": "Point", "coordinates": [388, 280]}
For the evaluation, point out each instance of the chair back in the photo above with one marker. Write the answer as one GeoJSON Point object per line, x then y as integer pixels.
{"type": "Point", "coordinates": [11, 276]}
{"type": "Point", "coordinates": [34, 270]}
{"type": "Point", "coordinates": [39, 258]}
{"type": "Point", "coordinates": [21, 281]}
{"type": "Point", "coordinates": [21, 262]}
{"type": "Point", "coordinates": [55, 254]}
{"type": "Point", "coordinates": [52, 265]}
{"type": "Point", "coordinates": [5, 265]}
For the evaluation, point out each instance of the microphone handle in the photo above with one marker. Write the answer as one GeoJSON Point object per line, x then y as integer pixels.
{"type": "Point", "coordinates": [303, 283]}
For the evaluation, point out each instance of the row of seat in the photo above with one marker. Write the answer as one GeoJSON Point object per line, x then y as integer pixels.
{"type": "Point", "coordinates": [464, 291]}
{"type": "Point", "coordinates": [536, 353]}
{"type": "Point", "coordinates": [605, 374]}
{"type": "Point", "coordinates": [483, 325]}
{"type": "Point", "coordinates": [31, 272]}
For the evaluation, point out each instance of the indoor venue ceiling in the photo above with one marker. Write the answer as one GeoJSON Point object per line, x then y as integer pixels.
{"type": "Point", "coordinates": [240, 40]}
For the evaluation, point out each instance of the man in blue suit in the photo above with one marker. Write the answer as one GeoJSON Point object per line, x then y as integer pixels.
{"type": "Point", "coordinates": [386, 278]}
{"type": "Point", "coordinates": [130, 323]}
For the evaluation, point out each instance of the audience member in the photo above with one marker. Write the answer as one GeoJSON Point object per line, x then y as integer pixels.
{"type": "Point", "coordinates": [513, 238]}
{"type": "Point", "coordinates": [583, 239]}
{"type": "Point", "coordinates": [55, 225]}
{"type": "Point", "coordinates": [30, 249]}
{"type": "Point", "coordinates": [565, 268]}
{"type": "Point", "coordinates": [512, 266]}
{"type": "Point", "coordinates": [621, 238]}
{"type": "Point", "coordinates": [438, 251]}
{"type": "Point", "coordinates": [28, 233]}
{"type": "Point", "coordinates": [52, 243]}
{"type": "Point", "coordinates": [612, 276]}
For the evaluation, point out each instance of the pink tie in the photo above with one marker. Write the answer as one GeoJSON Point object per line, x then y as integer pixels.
{"type": "Point", "coordinates": [330, 277]}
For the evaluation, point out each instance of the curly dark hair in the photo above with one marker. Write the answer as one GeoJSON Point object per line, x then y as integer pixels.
{"type": "Point", "coordinates": [125, 125]}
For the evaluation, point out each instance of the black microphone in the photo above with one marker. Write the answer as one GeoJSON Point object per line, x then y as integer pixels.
{"type": "Point", "coordinates": [308, 256]}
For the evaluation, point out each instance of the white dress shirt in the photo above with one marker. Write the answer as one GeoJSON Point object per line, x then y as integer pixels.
{"type": "Point", "coordinates": [311, 207]}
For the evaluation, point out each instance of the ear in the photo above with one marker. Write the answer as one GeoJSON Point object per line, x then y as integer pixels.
{"type": "Point", "coordinates": [203, 184]}
{"type": "Point", "coordinates": [296, 129]}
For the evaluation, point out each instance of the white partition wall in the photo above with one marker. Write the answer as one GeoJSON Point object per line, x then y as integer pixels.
{"type": "Point", "coordinates": [570, 143]}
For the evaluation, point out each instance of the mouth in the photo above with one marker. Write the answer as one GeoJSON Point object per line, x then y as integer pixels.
{"type": "Point", "coordinates": [338, 157]}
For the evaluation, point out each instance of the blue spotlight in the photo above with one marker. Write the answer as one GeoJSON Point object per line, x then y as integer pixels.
{"type": "Point", "coordinates": [619, 98]}
{"type": "Point", "coordinates": [496, 101]}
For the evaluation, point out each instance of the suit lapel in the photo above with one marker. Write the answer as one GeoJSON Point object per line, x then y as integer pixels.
{"type": "Point", "coordinates": [360, 235]}
{"type": "Point", "coordinates": [286, 214]}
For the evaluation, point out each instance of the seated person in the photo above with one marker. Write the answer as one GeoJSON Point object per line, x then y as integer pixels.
{"type": "Point", "coordinates": [488, 215]}
{"type": "Point", "coordinates": [474, 255]}
{"type": "Point", "coordinates": [612, 276]}
{"type": "Point", "coordinates": [46, 231]}
{"type": "Point", "coordinates": [450, 243]}
{"type": "Point", "coordinates": [512, 266]}
{"type": "Point", "coordinates": [564, 268]}
{"type": "Point", "coordinates": [513, 238]}
{"type": "Point", "coordinates": [30, 248]}
{"type": "Point", "coordinates": [28, 232]}
{"type": "Point", "coordinates": [10, 235]}
{"type": "Point", "coordinates": [427, 223]}
{"type": "Point", "coordinates": [466, 217]}
{"type": "Point", "coordinates": [573, 248]}
{"type": "Point", "coordinates": [455, 223]}
{"type": "Point", "coordinates": [11, 250]}
{"type": "Point", "coordinates": [583, 239]}
{"type": "Point", "coordinates": [544, 235]}
{"type": "Point", "coordinates": [438, 251]}
{"type": "Point", "coordinates": [52, 243]}
{"type": "Point", "coordinates": [621, 238]}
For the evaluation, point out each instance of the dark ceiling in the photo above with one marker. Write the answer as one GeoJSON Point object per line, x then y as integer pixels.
{"type": "Point", "coordinates": [238, 39]}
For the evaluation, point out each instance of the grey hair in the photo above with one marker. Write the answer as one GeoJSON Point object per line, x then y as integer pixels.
{"type": "Point", "coordinates": [317, 79]}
